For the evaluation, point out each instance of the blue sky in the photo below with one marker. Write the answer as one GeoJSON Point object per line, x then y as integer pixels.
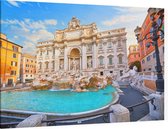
{"type": "Point", "coordinates": [27, 23]}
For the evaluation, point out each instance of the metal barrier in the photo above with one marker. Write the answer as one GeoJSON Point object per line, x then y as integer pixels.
{"type": "Point", "coordinates": [78, 119]}
{"type": "Point", "coordinates": [130, 108]}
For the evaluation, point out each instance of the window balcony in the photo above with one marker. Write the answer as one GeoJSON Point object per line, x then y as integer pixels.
{"type": "Point", "coordinates": [110, 66]}
{"type": "Point", "coordinates": [101, 66]}
{"type": "Point", "coordinates": [52, 70]}
{"type": "Point", "coordinates": [53, 57]}
{"type": "Point", "coordinates": [39, 71]}
{"type": "Point", "coordinates": [100, 51]}
{"type": "Point", "coordinates": [47, 57]}
{"type": "Point", "coordinates": [121, 65]}
{"type": "Point", "coordinates": [40, 58]}
{"type": "Point", "coordinates": [46, 70]}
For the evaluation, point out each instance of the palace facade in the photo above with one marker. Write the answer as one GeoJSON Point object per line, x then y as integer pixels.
{"type": "Point", "coordinates": [10, 57]}
{"type": "Point", "coordinates": [82, 49]}
{"type": "Point", "coordinates": [27, 67]}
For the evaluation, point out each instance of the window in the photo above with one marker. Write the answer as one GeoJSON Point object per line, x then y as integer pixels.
{"type": "Point", "coordinates": [27, 60]}
{"type": "Point", "coordinates": [26, 75]}
{"type": "Point", "coordinates": [154, 55]}
{"type": "Point", "coordinates": [134, 49]}
{"type": "Point", "coordinates": [110, 58]}
{"type": "Point", "coordinates": [120, 61]}
{"type": "Point", "coordinates": [53, 51]}
{"type": "Point", "coordinates": [119, 43]}
{"type": "Point", "coordinates": [13, 72]}
{"type": "Point", "coordinates": [101, 58]}
{"type": "Point", "coordinates": [47, 65]}
{"type": "Point", "coordinates": [100, 46]}
{"type": "Point", "coordinates": [10, 81]}
{"type": "Point", "coordinates": [13, 63]}
{"type": "Point", "coordinates": [151, 30]}
{"type": "Point", "coordinates": [111, 71]}
{"type": "Point", "coordinates": [47, 52]}
{"type": "Point", "coordinates": [40, 65]}
{"type": "Point", "coordinates": [14, 55]}
{"type": "Point", "coordinates": [109, 45]}
{"type": "Point", "coordinates": [30, 75]}
{"type": "Point", "coordinates": [161, 35]}
{"type": "Point", "coordinates": [148, 58]}
{"type": "Point", "coordinates": [15, 48]}
{"type": "Point", "coordinates": [143, 61]}
{"type": "Point", "coordinates": [101, 73]}
{"type": "Point", "coordinates": [121, 72]}
{"type": "Point", "coordinates": [53, 64]}
{"type": "Point", "coordinates": [0, 44]}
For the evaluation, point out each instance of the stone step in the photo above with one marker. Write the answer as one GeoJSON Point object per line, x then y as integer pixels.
{"type": "Point", "coordinates": [120, 92]}
{"type": "Point", "coordinates": [147, 118]}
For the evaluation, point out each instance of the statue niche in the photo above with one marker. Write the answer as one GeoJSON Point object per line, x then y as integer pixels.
{"type": "Point", "coordinates": [74, 59]}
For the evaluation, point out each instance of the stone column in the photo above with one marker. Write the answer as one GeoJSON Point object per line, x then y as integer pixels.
{"type": "Point", "coordinates": [69, 65]}
{"type": "Point", "coordinates": [3, 85]}
{"type": "Point", "coordinates": [84, 59]}
{"type": "Point", "coordinates": [115, 54]}
{"type": "Point", "coordinates": [119, 114]}
{"type": "Point", "coordinates": [57, 53]}
{"type": "Point", "coordinates": [80, 67]}
{"type": "Point", "coordinates": [65, 59]}
{"type": "Point", "coordinates": [94, 50]}
{"type": "Point", "coordinates": [124, 47]}
{"type": "Point", "coordinates": [105, 55]}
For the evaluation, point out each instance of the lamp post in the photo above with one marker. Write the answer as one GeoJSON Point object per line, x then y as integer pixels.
{"type": "Point", "coordinates": [153, 36]}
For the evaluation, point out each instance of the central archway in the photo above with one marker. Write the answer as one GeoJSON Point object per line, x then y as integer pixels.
{"type": "Point", "coordinates": [74, 59]}
{"type": "Point", "coordinates": [75, 53]}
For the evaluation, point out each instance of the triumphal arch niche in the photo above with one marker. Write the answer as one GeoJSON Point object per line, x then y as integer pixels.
{"type": "Point", "coordinates": [82, 49]}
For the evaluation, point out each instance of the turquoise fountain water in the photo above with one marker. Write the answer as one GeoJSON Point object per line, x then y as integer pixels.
{"type": "Point", "coordinates": [61, 102]}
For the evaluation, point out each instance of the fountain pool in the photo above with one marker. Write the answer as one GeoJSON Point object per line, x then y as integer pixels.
{"type": "Point", "coordinates": [58, 102]}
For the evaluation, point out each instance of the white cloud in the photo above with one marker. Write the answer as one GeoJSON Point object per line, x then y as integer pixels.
{"type": "Point", "coordinates": [13, 3]}
{"type": "Point", "coordinates": [120, 20]}
{"type": "Point", "coordinates": [51, 22]}
{"type": "Point", "coordinates": [28, 24]}
{"type": "Point", "coordinates": [62, 23]}
{"type": "Point", "coordinates": [16, 37]}
{"type": "Point", "coordinates": [30, 32]}
{"type": "Point", "coordinates": [29, 47]}
{"type": "Point", "coordinates": [128, 18]}
{"type": "Point", "coordinates": [39, 35]}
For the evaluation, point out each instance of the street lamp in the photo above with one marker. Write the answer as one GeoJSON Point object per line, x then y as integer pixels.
{"type": "Point", "coordinates": [153, 37]}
